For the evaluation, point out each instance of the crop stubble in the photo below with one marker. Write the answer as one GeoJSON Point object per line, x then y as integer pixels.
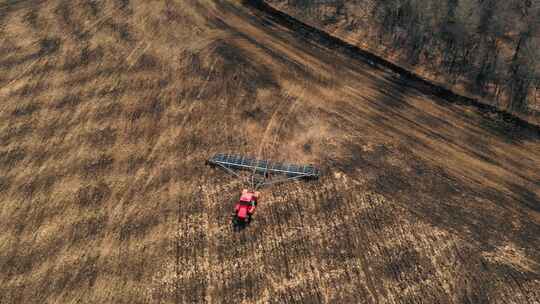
{"type": "Point", "coordinates": [109, 109]}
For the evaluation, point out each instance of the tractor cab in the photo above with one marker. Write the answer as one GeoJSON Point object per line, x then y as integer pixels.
{"type": "Point", "coordinates": [249, 197]}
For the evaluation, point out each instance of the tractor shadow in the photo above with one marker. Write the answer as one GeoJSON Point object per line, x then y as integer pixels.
{"type": "Point", "coordinates": [238, 225]}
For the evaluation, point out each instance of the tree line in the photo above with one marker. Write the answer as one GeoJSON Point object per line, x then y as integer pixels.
{"type": "Point", "coordinates": [492, 46]}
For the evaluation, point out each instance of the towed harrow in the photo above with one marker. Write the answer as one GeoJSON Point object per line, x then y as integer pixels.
{"type": "Point", "coordinates": [263, 173]}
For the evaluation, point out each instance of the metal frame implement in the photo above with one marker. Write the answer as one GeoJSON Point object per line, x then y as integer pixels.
{"type": "Point", "coordinates": [263, 170]}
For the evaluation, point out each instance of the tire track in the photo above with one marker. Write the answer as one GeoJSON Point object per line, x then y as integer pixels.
{"type": "Point", "coordinates": [19, 4]}
{"type": "Point", "coordinates": [205, 83]}
{"type": "Point", "coordinates": [275, 123]}
{"type": "Point", "coordinates": [18, 77]}
{"type": "Point", "coordinates": [292, 108]}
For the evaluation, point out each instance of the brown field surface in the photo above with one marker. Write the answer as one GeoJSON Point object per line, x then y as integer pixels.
{"type": "Point", "coordinates": [108, 110]}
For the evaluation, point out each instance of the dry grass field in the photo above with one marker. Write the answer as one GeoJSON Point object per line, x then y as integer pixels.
{"type": "Point", "coordinates": [108, 110]}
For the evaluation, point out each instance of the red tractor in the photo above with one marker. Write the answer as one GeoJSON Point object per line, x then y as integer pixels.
{"type": "Point", "coordinates": [245, 208]}
{"type": "Point", "coordinates": [263, 173]}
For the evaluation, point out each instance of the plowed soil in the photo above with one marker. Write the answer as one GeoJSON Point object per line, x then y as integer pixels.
{"type": "Point", "coordinates": [109, 109]}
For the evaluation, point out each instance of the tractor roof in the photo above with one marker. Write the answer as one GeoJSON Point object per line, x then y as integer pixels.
{"type": "Point", "coordinates": [247, 197]}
